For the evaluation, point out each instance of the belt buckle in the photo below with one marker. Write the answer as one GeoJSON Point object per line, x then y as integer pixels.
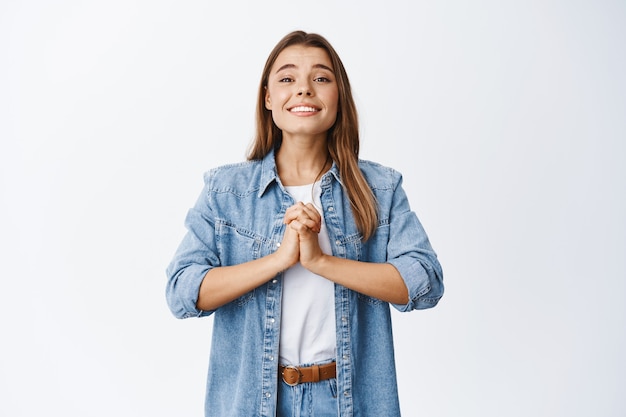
{"type": "Point", "coordinates": [295, 368]}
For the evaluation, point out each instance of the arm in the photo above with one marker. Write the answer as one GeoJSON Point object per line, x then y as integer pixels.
{"type": "Point", "coordinates": [378, 280]}
{"type": "Point", "coordinates": [409, 256]}
{"type": "Point", "coordinates": [223, 284]}
{"type": "Point", "coordinates": [199, 282]}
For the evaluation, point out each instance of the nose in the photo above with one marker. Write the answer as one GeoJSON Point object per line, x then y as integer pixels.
{"type": "Point", "coordinates": [304, 90]}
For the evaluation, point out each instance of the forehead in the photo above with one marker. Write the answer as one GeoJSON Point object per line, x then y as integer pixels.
{"type": "Point", "coordinates": [302, 56]}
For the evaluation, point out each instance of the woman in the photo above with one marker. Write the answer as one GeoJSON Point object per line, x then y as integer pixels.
{"type": "Point", "coordinates": [298, 253]}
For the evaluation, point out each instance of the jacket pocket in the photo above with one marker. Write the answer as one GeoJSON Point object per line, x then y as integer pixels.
{"type": "Point", "coordinates": [237, 245]}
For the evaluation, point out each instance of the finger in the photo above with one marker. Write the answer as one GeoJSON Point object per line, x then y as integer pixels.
{"type": "Point", "coordinates": [303, 230]}
{"type": "Point", "coordinates": [304, 222]}
{"type": "Point", "coordinates": [311, 213]}
{"type": "Point", "coordinates": [306, 214]}
{"type": "Point", "coordinates": [293, 212]}
{"type": "Point", "coordinates": [310, 223]}
{"type": "Point", "coordinates": [311, 210]}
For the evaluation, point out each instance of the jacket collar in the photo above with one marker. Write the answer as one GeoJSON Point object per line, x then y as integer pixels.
{"type": "Point", "coordinates": [269, 173]}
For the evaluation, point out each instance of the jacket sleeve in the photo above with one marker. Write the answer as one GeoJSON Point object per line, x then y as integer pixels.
{"type": "Point", "coordinates": [409, 250]}
{"type": "Point", "coordinates": [195, 256]}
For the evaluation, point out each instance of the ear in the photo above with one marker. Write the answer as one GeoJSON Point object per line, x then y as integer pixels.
{"type": "Point", "coordinates": [268, 102]}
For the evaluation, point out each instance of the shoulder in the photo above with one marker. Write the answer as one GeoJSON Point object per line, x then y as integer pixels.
{"type": "Point", "coordinates": [240, 177]}
{"type": "Point", "coordinates": [379, 176]}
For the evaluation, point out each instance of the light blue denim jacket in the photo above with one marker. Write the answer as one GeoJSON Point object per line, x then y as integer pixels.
{"type": "Point", "coordinates": [239, 217]}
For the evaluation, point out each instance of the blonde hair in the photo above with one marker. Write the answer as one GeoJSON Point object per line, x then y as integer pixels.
{"type": "Point", "coordinates": [342, 139]}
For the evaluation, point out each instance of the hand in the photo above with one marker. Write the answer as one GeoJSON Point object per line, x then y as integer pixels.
{"type": "Point", "coordinates": [288, 253]}
{"type": "Point", "coordinates": [307, 222]}
{"type": "Point", "coordinates": [306, 215]}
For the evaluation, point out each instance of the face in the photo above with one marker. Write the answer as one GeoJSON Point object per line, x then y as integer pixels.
{"type": "Point", "coordinates": [302, 92]}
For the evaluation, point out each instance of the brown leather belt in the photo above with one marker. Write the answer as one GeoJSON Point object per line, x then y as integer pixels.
{"type": "Point", "coordinates": [293, 375]}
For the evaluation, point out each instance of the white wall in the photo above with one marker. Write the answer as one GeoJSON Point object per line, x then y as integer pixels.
{"type": "Point", "coordinates": [507, 119]}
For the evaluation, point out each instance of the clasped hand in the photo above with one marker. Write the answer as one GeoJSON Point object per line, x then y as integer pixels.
{"type": "Point", "coordinates": [300, 242]}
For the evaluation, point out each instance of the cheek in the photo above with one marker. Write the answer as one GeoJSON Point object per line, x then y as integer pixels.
{"type": "Point", "coordinates": [272, 98]}
{"type": "Point", "coordinates": [276, 119]}
{"type": "Point", "coordinates": [334, 98]}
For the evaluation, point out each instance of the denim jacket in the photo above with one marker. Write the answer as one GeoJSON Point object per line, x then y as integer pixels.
{"type": "Point", "coordinates": [239, 217]}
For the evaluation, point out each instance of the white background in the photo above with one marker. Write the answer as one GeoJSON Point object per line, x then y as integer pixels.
{"type": "Point", "coordinates": [507, 119]}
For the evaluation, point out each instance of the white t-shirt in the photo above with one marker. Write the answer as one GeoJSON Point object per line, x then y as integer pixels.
{"type": "Point", "coordinates": [307, 325]}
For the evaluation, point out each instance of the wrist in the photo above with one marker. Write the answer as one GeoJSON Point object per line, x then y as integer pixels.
{"type": "Point", "coordinates": [316, 264]}
{"type": "Point", "coordinates": [278, 262]}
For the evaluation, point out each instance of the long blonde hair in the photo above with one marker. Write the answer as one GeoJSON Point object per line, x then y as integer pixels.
{"type": "Point", "coordinates": [342, 139]}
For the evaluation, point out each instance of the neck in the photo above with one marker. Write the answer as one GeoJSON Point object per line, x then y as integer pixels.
{"type": "Point", "coordinates": [302, 165]}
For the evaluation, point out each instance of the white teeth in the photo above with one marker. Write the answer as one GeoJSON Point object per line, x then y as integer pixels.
{"type": "Point", "coordinates": [303, 109]}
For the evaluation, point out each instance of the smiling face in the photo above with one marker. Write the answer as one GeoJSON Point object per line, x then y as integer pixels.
{"type": "Point", "coordinates": [302, 92]}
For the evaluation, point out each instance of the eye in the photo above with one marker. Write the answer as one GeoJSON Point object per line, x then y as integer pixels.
{"type": "Point", "coordinates": [322, 80]}
{"type": "Point", "coordinates": [286, 80]}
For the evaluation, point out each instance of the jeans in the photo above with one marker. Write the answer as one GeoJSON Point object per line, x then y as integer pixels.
{"type": "Point", "coordinates": [309, 399]}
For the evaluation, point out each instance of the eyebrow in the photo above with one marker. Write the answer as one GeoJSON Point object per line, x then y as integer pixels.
{"type": "Point", "coordinates": [320, 66]}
